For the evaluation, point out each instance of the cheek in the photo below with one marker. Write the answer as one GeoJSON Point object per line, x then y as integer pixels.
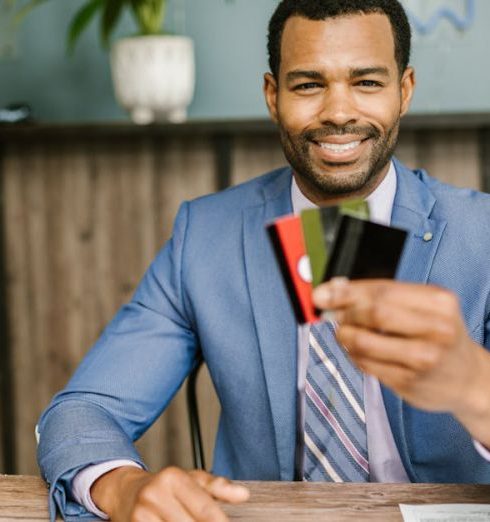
{"type": "Point", "coordinates": [382, 111]}
{"type": "Point", "coordinates": [298, 114]}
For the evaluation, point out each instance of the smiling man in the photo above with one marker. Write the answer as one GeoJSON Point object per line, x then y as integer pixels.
{"type": "Point", "coordinates": [397, 391]}
{"type": "Point", "coordinates": [337, 91]}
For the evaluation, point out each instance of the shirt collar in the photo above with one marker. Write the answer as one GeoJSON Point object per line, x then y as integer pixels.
{"type": "Point", "coordinates": [380, 201]}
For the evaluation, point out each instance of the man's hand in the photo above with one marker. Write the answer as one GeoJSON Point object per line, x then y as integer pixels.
{"type": "Point", "coordinates": [133, 495]}
{"type": "Point", "coordinates": [412, 337]}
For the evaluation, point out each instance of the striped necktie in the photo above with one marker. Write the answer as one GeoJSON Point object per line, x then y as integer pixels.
{"type": "Point", "coordinates": [335, 440]}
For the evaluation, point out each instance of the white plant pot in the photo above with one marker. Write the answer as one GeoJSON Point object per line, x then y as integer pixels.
{"type": "Point", "coordinates": [154, 77]}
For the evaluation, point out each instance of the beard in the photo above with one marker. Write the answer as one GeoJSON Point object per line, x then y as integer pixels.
{"type": "Point", "coordinates": [296, 148]}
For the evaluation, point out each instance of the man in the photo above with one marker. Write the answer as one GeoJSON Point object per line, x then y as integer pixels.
{"type": "Point", "coordinates": [338, 86]}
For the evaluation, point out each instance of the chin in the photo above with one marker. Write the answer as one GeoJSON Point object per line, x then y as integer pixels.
{"type": "Point", "coordinates": [342, 175]}
{"type": "Point", "coordinates": [339, 180]}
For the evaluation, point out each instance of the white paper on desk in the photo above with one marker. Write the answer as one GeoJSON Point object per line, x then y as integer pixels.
{"type": "Point", "coordinates": [446, 512]}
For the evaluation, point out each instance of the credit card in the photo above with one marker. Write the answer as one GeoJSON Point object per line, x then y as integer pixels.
{"type": "Point", "coordinates": [320, 229]}
{"type": "Point", "coordinates": [365, 250]}
{"type": "Point", "coordinates": [287, 239]}
{"type": "Point", "coordinates": [331, 242]}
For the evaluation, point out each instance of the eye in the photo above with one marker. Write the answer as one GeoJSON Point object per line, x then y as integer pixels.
{"type": "Point", "coordinates": [369, 83]}
{"type": "Point", "coordinates": [307, 86]}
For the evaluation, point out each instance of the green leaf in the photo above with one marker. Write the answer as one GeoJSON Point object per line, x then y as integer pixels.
{"type": "Point", "coordinates": [22, 13]}
{"type": "Point", "coordinates": [80, 22]}
{"type": "Point", "coordinates": [149, 15]}
{"type": "Point", "coordinates": [110, 17]}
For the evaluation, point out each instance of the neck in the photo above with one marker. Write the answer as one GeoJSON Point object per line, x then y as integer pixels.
{"type": "Point", "coordinates": [320, 198]}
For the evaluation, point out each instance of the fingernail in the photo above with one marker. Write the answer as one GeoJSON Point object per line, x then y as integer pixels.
{"type": "Point", "coordinates": [339, 281]}
{"type": "Point", "coordinates": [329, 316]}
{"type": "Point", "coordinates": [322, 295]}
{"type": "Point", "coordinates": [241, 490]}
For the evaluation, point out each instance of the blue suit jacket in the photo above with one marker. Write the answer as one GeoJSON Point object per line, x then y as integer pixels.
{"type": "Point", "coordinates": [215, 287]}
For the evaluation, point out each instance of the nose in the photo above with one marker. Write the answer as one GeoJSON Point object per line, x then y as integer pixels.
{"type": "Point", "coordinates": [338, 107]}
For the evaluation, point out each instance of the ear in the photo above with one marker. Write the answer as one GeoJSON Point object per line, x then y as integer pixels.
{"type": "Point", "coordinates": [270, 94]}
{"type": "Point", "coordinates": [407, 89]}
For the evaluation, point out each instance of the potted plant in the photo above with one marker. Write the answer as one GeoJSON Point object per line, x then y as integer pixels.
{"type": "Point", "coordinates": [153, 73]}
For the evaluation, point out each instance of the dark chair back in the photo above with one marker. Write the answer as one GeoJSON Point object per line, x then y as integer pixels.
{"type": "Point", "coordinates": [194, 424]}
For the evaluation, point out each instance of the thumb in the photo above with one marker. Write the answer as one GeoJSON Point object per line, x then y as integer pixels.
{"type": "Point", "coordinates": [221, 488]}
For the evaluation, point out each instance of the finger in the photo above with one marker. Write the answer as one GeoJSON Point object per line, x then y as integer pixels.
{"type": "Point", "coordinates": [340, 294]}
{"type": "Point", "coordinates": [397, 378]}
{"type": "Point", "coordinates": [221, 488]}
{"type": "Point", "coordinates": [415, 355]}
{"type": "Point", "coordinates": [387, 317]}
{"type": "Point", "coordinates": [335, 294]}
{"type": "Point", "coordinates": [158, 500]}
{"type": "Point", "coordinates": [147, 514]}
{"type": "Point", "coordinates": [172, 510]}
{"type": "Point", "coordinates": [198, 502]}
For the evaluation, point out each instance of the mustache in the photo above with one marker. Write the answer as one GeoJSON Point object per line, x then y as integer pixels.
{"type": "Point", "coordinates": [336, 130]}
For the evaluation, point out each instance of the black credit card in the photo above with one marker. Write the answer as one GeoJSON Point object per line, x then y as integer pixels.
{"type": "Point", "coordinates": [365, 250]}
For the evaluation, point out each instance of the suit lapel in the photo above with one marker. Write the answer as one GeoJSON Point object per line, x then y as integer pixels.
{"type": "Point", "coordinates": [274, 320]}
{"type": "Point", "coordinates": [411, 210]}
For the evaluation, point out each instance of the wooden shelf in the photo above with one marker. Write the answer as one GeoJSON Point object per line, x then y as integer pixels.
{"type": "Point", "coordinates": [225, 127]}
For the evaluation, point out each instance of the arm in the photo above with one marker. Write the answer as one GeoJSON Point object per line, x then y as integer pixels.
{"type": "Point", "coordinates": [413, 338]}
{"type": "Point", "coordinates": [122, 385]}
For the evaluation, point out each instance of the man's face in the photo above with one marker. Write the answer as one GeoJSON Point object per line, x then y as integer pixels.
{"type": "Point", "coordinates": [338, 102]}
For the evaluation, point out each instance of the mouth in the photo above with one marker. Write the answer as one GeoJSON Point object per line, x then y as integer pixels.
{"type": "Point", "coordinates": [335, 150]}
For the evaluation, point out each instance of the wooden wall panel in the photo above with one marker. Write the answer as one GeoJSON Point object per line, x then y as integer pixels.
{"type": "Point", "coordinates": [451, 156]}
{"type": "Point", "coordinates": [406, 150]}
{"type": "Point", "coordinates": [255, 155]}
{"type": "Point", "coordinates": [84, 220]}
{"type": "Point", "coordinates": [2, 428]}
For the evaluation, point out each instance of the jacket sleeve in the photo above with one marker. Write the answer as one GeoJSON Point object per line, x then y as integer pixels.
{"type": "Point", "coordinates": [124, 382]}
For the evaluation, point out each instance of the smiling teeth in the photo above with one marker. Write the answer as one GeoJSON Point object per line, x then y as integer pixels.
{"type": "Point", "coordinates": [337, 147]}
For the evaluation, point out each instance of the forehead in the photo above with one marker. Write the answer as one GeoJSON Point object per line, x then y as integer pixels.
{"type": "Point", "coordinates": [347, 41]}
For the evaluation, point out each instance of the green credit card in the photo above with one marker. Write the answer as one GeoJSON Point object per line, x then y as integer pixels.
{"type": "Point", "coordinates": [320, 229]}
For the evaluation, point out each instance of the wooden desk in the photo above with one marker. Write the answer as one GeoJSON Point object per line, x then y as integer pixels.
{"type": "Point", "coordinates": [24, 498]}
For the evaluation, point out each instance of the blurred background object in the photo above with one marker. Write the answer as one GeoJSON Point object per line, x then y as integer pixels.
{"type": "Point", "coordinates": [8, 35]}
{"type": "Point", "coordinates": [153, 73]}
{"type": "Point", "coordinates": [154, 77]}
{"type": "Point", "coordinates": [16, 113]}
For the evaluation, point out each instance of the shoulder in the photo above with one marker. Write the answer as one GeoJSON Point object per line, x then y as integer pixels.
{"type": "Point", "coordinates": [447, 201]}
{"type": "Point", "coordinates": [244, 195]}
{"type": "Point", "coordinates": [448, 196]}
{"type": "Point", "coordinates": [465, 211]}
{"type": "Point", "coordinates": [221, 213]}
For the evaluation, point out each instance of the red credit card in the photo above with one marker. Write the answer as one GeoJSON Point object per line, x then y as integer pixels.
{"type": "Point", "coordinates": [288, 241]}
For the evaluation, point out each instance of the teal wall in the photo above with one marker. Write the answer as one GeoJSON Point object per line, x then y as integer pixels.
{"type": "Point", "coordinates": [230, 38]}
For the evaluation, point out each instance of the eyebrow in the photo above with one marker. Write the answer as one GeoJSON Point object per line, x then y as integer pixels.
{"type": "Point", "coordinates": [295, 75]}
{"type": "Point", "coordinates": [366, 71]}
{"type": "Point", "coordinates": [354, 73]}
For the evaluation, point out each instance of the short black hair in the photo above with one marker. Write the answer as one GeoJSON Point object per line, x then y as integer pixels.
{"type": "Point", "coordinates": [323, 9]}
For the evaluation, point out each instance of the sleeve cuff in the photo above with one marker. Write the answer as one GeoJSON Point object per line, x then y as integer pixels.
{"type": "Point", "coordinates": [83, 480]}
{"type": "Point", "coordinates": [482, 450]}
